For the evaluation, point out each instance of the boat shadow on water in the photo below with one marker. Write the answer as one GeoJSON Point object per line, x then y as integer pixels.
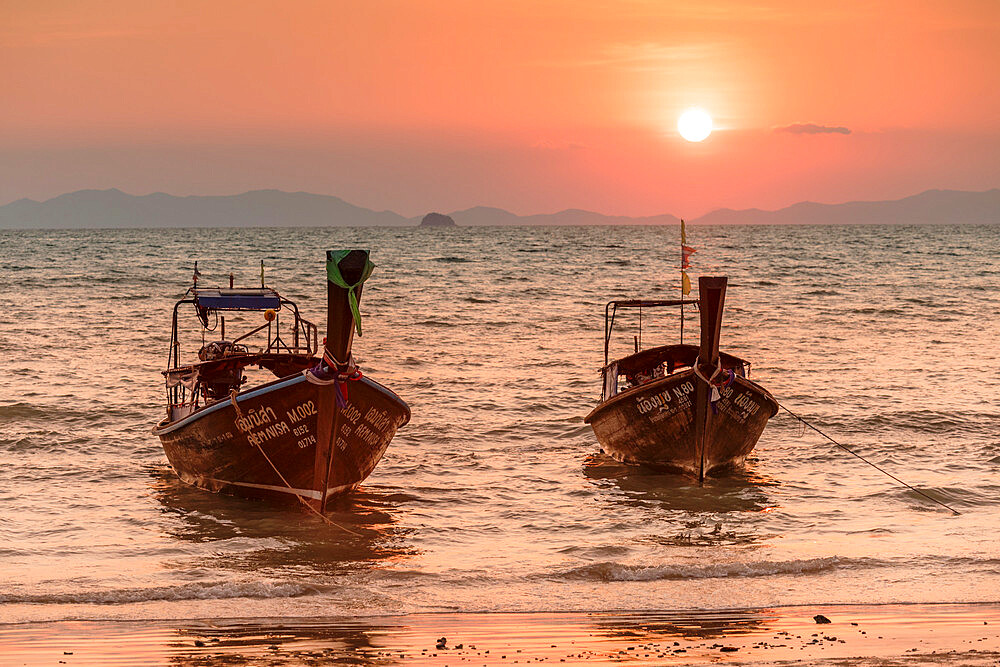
{"type": "Point", "coordinates": [739, 490]}
{"type": "Point", "coordinates": [282, 536]}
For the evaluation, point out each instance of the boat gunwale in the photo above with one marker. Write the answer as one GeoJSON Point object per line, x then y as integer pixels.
{"type": "Point", "coordinates": [164, 427]}
{"type": "Point", "coordinates": [631, 391]}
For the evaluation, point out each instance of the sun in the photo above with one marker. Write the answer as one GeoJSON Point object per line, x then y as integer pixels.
{"type": "Point", "coordinates": [695, 124]}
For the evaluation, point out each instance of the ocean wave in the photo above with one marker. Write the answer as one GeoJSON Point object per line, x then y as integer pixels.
{"type": "Point", "coordinates": [922, 420]}
{"type": "Point", "coordinates": [984, 496]}
{"type": "Point", "coordinates": [204, 591]}
{"type": "Point", "coordinates": [609, 571]}
{"type": "Point", "coordinates": [884, 312]}
{"type": "Point", "coordinates": [23, 411]}
{"type": "Point", "coordinates": [434, 323]}
{"type": "Point", "coordinates": [99, 412]}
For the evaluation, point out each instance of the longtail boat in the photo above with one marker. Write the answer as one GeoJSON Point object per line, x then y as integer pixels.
{"type": "Point", "coordinates": [315, 432]}
{"type": "Point", "coordinates": [681, 408]}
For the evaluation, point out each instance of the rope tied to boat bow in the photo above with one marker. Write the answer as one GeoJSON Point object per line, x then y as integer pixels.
{"type": "Point", "coordinates": [850, 451]}
{"type": "Point", "coordinates": [710, 380]}
{"type": "Point", "coordinates": [239, 413]}
{"type": "Point", "coordinates": [325, 374]}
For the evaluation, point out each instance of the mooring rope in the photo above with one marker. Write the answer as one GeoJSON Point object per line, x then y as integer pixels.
{"type": "Point", "coordinates": [239, 413]}
{"type": "Point", "coordinates": [304, 501]}
{"type": "Point", "coordinates": [855, 454]}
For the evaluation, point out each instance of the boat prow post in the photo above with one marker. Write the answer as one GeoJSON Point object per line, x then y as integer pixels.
{"type": "Point", "coordinates": [712, 298]}
{"type": "Point", "coordinates": [346, 272]}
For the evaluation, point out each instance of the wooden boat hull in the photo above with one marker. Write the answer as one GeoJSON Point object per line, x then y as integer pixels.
{"type": "Point", "coordinates": [273, 446]}
{"type": "Point", "coordinates": [654, 424]}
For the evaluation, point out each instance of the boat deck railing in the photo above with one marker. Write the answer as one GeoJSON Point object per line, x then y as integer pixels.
{"type": "Point", "coordinates": [299, 339]}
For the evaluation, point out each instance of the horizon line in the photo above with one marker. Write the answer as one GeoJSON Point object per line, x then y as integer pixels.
{"type": "Point", "coordinates": [692, 219]}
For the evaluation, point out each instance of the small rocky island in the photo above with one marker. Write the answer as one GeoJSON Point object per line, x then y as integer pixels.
{"type": "Point", "coordinates": [437, 220]}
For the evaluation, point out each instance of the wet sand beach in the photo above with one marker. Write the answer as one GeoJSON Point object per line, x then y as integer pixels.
{"type": "Point", "coordinates": [856, 635]}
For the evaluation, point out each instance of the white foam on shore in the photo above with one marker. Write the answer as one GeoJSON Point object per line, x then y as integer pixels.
{"type": "Point", "coordinates": [199, 591]}
{"type": "Point", "coordinates": [608, 571]}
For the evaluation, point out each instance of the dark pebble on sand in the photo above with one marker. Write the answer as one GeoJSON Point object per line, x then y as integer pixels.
{"type": "Point", "coordinates": [820, 618]}
{"type": "Point", "coordinates": [729, 649]}
{"type": "Point", "coordinates": [198, 642]}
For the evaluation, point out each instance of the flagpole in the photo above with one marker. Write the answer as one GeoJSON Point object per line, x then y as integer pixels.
{"type": "Point", "coordinates": [682, 280]}
{"type": "Point", "coordinates": [686, 252]}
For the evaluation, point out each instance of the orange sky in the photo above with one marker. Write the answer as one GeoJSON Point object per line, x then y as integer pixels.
{"type": "Point", "coordinates": [532, 106]}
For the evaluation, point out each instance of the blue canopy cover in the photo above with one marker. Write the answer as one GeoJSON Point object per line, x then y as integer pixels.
{"type": "Point", "coordinates": [258, 298]}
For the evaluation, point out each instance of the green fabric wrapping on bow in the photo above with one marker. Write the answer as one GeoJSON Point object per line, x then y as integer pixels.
{"type": "Point", "coordinates": [333, 274]}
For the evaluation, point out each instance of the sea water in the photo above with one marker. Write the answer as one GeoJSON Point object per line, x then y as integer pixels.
{"type": "Point", "coordinates": [496, 496]}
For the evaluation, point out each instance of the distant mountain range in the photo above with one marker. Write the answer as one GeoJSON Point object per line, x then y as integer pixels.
{"type": "Point", "coordinates": [259, 208]}
{"type": "Point", "coordinates": [930, 207]}
{"type": "Point", "coordinates": [275, 208]}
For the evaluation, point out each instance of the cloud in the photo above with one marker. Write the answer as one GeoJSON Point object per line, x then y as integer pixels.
{"type": "Point", "coordinates": [813, 128]}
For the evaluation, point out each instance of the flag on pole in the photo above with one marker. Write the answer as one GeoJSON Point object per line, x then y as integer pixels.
{"type": "Point", "coordinates": [686, 252]}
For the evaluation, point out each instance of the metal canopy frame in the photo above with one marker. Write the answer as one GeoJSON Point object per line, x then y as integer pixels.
{"type": "Point", "coordinates": [305, 336]}
{"type": "Point", "coordinates": [611, 309]}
